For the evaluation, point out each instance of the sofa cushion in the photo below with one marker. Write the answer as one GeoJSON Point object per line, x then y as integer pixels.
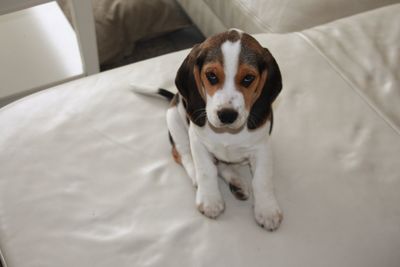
{"type": "Point", "coordinates": [261, 16]}
{"type": "Point", "coordinates": [369, 65]}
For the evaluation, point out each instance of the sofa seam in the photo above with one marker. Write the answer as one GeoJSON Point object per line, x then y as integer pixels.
{"type": "Point", "coordinates": [354, 87]}
{"type": "Point", "coordinates": [214, 14]}
{"type": "Point", "coordinates": [257, 19]}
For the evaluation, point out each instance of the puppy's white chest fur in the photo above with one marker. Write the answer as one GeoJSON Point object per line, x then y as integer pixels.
{"type": "Point", "coordinates": [228, 146]}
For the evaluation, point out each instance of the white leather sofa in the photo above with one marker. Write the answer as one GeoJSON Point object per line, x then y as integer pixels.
{"type": "Point", "coordinates": [86, 176]}
{"type": "Point", "coordinates": [271, 16]}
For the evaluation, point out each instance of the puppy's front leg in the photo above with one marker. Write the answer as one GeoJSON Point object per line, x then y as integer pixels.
{"type": "Point", "coordinates": [208, 197]}
{"type": "Point", "coordinates": [266, 209]}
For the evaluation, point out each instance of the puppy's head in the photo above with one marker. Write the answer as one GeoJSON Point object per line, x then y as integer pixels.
{"type": "Point", "coordinates": [229, 80]}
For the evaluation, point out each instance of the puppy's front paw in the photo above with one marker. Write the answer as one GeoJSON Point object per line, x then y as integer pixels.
{"type": "Point", "coordinates": [268, 216]}
{"type": "Point", "coordinates": [211, 205]}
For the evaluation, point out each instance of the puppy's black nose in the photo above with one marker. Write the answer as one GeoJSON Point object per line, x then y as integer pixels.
{"type": "Point", "coordinates": [227, 115]}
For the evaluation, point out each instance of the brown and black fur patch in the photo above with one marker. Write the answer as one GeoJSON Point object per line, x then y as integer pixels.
{"type": "Point", "coordinates": [187, 86]}
{"type": "Point", "coordinates": [253, 53]}
{"type": "Point", "coordinates": [175, 154]}
{"type": "Point", "coordinates": [175, 101]}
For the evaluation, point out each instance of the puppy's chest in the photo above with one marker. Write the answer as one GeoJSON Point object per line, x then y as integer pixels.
{"type": "Point", "coordinates": [232, 148]}
{"type": "Point", "coordinates": [227, 152]}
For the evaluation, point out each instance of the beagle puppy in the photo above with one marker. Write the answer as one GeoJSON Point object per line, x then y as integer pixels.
{"type": "Point", "coordinates": [221, 119]}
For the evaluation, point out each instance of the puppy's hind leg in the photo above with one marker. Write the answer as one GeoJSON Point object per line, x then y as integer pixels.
{"type": "Point", "coordinates": [185, 159]}
{"type": "Point", "coordinates": [230, 173]}
{"type": "Point", "coordinates": [179, 137]}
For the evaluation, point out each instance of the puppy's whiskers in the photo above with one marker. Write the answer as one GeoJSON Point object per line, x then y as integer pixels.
{"type": "Point", "coordinates": [255, 118]}
{"type": "Point", "coordinates": [199, 114]}
{"type": "Point", "coordinates": [252, 121]}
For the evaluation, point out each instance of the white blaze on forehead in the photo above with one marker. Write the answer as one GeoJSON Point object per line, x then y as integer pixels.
{"type": "Point", "coordinates": [240, 32]}
{"type": "Point", "coordinates": [228, 96]}
{"type": "Point", "coordinates": [230, 52]}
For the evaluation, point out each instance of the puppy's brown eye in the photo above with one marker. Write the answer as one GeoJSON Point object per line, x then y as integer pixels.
{"type": "Point", "coordinates": [212, 78]}
{"type": "Point", "coordinates": [247, 80]}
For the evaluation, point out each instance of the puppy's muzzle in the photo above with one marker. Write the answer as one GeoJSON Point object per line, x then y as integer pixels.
{"type": "Point", "coordinates": [227, 115]}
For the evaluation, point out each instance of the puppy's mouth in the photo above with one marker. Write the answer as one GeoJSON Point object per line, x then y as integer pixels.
{"type": "Point", "coordinates": [224, 128]}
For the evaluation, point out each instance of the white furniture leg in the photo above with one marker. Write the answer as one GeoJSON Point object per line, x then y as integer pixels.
{"type": "Point", "coordinates": [83, 20]}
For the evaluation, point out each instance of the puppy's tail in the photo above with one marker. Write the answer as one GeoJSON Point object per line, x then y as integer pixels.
{"type": "Point", "coordinates": [165, 93]}
{"type": "Point", "coordinates": [153, 92]}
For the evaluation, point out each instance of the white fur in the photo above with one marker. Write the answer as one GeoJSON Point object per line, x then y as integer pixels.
{"type": "Point", "coordinates": [178, 129]}
{"type": "Point", "coordinates": [199, 145]}
{"type": "Point", "coordinates": [228, 96]}
{"type": "Point", "coordinates": [240, 32]}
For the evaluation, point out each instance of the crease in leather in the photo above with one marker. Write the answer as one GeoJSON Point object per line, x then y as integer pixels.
{"type": "Point", "coordinates": [2, 260]}
{"type": "Point", "coordinates": [215, 15]}
{"type": "Point", "coordinates": [257, 20]}
{"type": "Point", "coordinates": [344, 77]}
{"type": "Point", "coordinates": [117, 143]}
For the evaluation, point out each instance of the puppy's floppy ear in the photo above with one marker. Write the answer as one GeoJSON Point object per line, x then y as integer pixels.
{"type": "Point", "coordinates": [188, 82]}
{"type": "Point", "coordinates": [262, 107]}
